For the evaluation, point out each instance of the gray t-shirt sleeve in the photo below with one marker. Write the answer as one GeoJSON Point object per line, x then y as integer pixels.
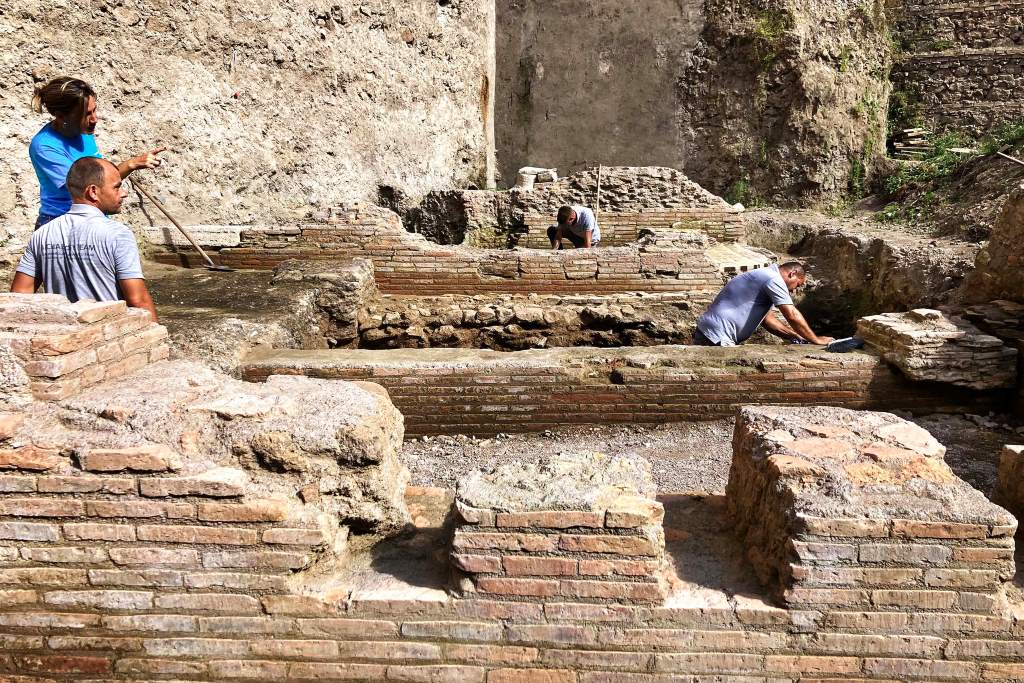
{"type": "Point", "coordinates": [29, 263]}
{"type": "Point", "coordinates": [777, 291]}
{"type": "Point", "coordinates": [127, 264]}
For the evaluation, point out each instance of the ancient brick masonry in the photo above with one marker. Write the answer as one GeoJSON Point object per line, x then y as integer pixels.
{"type": "Point", "coordinates": [855, 511]}
{"type": "Point", "coordinates": [405, 263]}
{"type": "Point", "coordinates": [65, 347]}
{"type": "Point", "coordinates": [926, 345]}
{"type": "Point", "coordinates": [580, 527]}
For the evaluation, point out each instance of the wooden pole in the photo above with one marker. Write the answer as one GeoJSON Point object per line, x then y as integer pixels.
{"type": "Point", "coordinates": [597, 206]}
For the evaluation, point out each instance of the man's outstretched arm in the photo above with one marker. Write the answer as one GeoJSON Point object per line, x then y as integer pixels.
{"type": "Point", "coordinates": [136, 295]}
{"type": "Point", "coordinates": [796, 320]}
{"type": "Point", "coordinates": [779, 328]}
{"type": "Point", "coordinates": [25, 284]}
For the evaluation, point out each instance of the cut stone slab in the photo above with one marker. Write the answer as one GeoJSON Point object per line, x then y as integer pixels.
{"type": "Point", "coordinates": [579, 481]}
{"type": "Point", "coordinates": [927, 345]}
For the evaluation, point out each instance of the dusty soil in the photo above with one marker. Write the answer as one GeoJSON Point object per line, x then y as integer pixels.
{"type": "Point", "coordinates": [692, 456]}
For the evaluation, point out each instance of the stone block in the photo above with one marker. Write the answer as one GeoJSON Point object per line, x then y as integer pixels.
{"type": "Point", "coordinates": [875, 507]}
{"type": "Point", "coordinates": [926, 345]}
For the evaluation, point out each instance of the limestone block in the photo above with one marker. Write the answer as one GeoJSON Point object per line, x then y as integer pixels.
{"type": "Point", "coordinates": [926, 345]}
{"type": "Point", "coordinates": [205, 235]}
{"type": "Point", "coordinates": [273, 438]}
{"type": "Point", "coordinates": [858, 509]}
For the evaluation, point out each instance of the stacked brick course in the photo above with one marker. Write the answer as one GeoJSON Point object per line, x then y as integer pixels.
{"type": "Point", "coordinates": [580, 527]}
{"type": "Point", "coordinates": [469, 391]}
{"type": "Point", "coordinates": [857, 511]}
{"type": "Point", "coordinates": [405, 263]}
{"type": "Point", "coordinates": [65, 347]}
{"type": "Point", "coordinates": [623, 228]}
{"type": "Point", "coordinates": [926, 345]}
{"type": "Point", "coordinates": [962, 61]}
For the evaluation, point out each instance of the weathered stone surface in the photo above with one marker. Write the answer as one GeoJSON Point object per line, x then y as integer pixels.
{"type": "Point", "coordinates": [589, 482]}
{"type": "Point", "coordinates": [818, 523]}
{"type": "Point", "coordinates": [997, 272]}
{"type": "Point", "coordinates": [927, 345]}
{"type": "Point", "coordinates": [1010, 490]}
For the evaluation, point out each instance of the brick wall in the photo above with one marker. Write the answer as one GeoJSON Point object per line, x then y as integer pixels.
{"type": "Point", "coordinates": [623, 228]}
{"type": "Point", "coordinates": [406, 263]}
{"type": "Point", "coordinates": [963, 61]}
{"type": "Point", "coordinates": [119, 570]}
{"type": "Point", "coordinates": [64, 347]}
{"type": "Point", "coordinates": [483, 392]}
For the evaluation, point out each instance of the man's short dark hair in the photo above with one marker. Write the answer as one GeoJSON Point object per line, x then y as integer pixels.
{"type": "Point", "coordinates": [794, 267]}
{"type": "Point", "coordinates": [565, 215]}
{"type": "Point", "coordinates": [83, 173]}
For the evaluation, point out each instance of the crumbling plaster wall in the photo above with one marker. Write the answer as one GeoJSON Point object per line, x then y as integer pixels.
{"type": "Point", "coordinates": [268, 107]}
{"type": "Point", "coordinates": [781, 101]}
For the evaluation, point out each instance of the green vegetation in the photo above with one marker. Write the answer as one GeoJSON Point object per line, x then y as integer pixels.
{"type": "Point", "coordinates": [770, 27]}
{"type": "Point", "coordinates": [940, 164]}
{"type": "Point", "coordinates": [905, 111]}
{"type": "Point", "coordinates": [845, 56]}
{"type": "Point", "coordinates": [741, 192]}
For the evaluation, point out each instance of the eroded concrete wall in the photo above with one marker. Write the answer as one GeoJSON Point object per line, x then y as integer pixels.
{"type": "Point", "coordinates": [586, 82]}
{"type": "Point", "coordinates": [269, 107]}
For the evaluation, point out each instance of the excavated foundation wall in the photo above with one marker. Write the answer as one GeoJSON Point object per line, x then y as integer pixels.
{"type": "Point", "coordinates": [269, 108]}
{"type": "Point", "coordinates": [444, 391]}
{"type": "Point", "coordinates": [962, 64]}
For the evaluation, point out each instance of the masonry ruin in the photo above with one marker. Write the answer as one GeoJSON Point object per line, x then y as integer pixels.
{"type": "Point", "coordinates": [239, 492]}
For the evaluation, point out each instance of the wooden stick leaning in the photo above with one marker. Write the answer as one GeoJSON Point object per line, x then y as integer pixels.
{"type": "Point", "coordinates": [209, 262]}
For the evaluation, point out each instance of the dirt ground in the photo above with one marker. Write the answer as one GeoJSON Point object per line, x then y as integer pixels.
{"type": "Point", "coordinates": [692, 456]}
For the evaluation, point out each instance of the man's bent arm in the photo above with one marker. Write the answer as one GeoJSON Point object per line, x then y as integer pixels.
{"type": "Point", "coordinates": [796, 319]}
{"type": "Point", "coordinates": [25, 284]}
{"type": "Point", "coordinates": [136, 295]}
{"type": "Point", "coordinates": [779, 328]}
{"type": "Point", "coordinates": [586, 238]}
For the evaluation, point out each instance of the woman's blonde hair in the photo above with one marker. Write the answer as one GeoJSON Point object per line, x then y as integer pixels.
{"type": "Point", "coordinates": [62, 96]}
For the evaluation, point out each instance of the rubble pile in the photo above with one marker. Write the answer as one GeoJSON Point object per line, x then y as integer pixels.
{"type": "Point", "coordinates": [927, 345]}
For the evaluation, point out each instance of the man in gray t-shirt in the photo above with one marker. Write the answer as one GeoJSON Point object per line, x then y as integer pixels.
{"type": "Point", "coordinates": [83, 254]}
{"type": "Point", "coordinates": [746, 302]}
{"type": "Point", "coordinates": [578, 224]}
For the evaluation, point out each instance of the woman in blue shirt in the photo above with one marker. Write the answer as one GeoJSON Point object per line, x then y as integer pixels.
{"type": "Point", "coordinates": [67, 138]}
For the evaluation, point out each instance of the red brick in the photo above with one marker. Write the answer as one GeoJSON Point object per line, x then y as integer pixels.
{"type": "Point", "coordinates": [65, 555]}
{"type": "Point", "coordinates": [196, 647]}
{"type": "Point", "coordinates": [845, 528]}
{"type": "Point", "coordinates": [43, 576]}
{"type": "Point", "coordinates": [612, 590]}
{"type": "Point", "coordinates": [553, 519]}
{"type": "Point", "coordinates": [389, 650]}
{"type": "Point", "coordinates": [477, 564]}
{"type": "Point", "coordinates": [256, 559]}
{"type": "Point", "coordinates": [247, 625]}
{"type": "Point", "coordinates": [962, 578]}
{"type": "Point", "coordinates": [150, 578]}
{"type": "Point", "coordinates": [538, 566]}
{"type": "Point", "coordinates": [309, 537]}
{"type": "Point", "coordinates": [14, 483]}
{"type": "Point", "coordinates": [519, 587]}
{"type": "Point", "coordinates": [139, 508]}
{"type": "Point", "coordinates": [94, 643]}
{"type": "Point", "coordinates": [546, 634]}
{"type": "Point", "coordinates": [929, 600]}
{"type": "Point", "coordinates": [532, 543]}
{"type": "Point", "coordinates": [811, 665]}
{"type": "Point", "coordinates": [29, 458]}
{"type": "Point", "coordinates": [182, 557]}
{"type": "Point", "coordinates": [99, 532]}
{"type": "Point", "coordinates": [12, 598]}
{"type": "Point", "coordinates": [143, 623]}
{"type": "Point", "coordinates": [621, 545]}
{"type": "Point", "coordinates": [29, 531]}
{"type": "Point", "coordinates": [94, 311]}
{"type": "Point", "coordinates": [342, 672]}
{"type": "Point", "coordinates": [920, 668]}
{"type": "Point", "coordinates": [59, 664]}
{"type": "Point", "coordinates": [86, 484]}
{"type": "Point", "coordinates": [220, 483]}
{"type": "Point", "coordinates": [347, 628]}
{"type": "Point", "coordinates": [59, 344]}
{"type": "Point", "coordinates": [209, 602]}
{"type": "Point", "coordinates": [531, 676]}
{"type": "Point", "coordinates": [298, 649]}
{"type": "Point", "coordinates": [159, 667]}
{"type": "Point", "coordinates": [629, 512]}
{"type": "Point", "coordinates": [618, 568]}
{"type": "Point", "coordinates": [453, 630]}
{"type": "Point", "coordinates": [57, 366]}
{"type": "Point", "coordinates": [442, 673]}
{"type": "Point", "coordinates": [489, 654]}
{"type": "Point", "coordinates": [269, 510]}
{"type": "Point", "coordinates": [707, 662]}
{"type": "Point", "coordinates": [910, 553]}
{"type": "Point", "coordinates": [235, 580]}
{"type": "Point", "coordinates": [100, 599]}
{"type": "Point", "coordinates": [916, 529]}
{"type": "Point", "coordinates": [298, 605]}
{"type": "Point", "coordinates": [197, 535]}
{"type": "Point", "coordinates": [138, 459]}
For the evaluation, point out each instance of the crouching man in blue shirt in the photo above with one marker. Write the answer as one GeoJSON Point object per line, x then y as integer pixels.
{"type": "Point", "coordinates": [577, 224]}
{"type": "Point", "coordinates": [83, 254]}
{"type": "Point", "coordinates": [746, 302]}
